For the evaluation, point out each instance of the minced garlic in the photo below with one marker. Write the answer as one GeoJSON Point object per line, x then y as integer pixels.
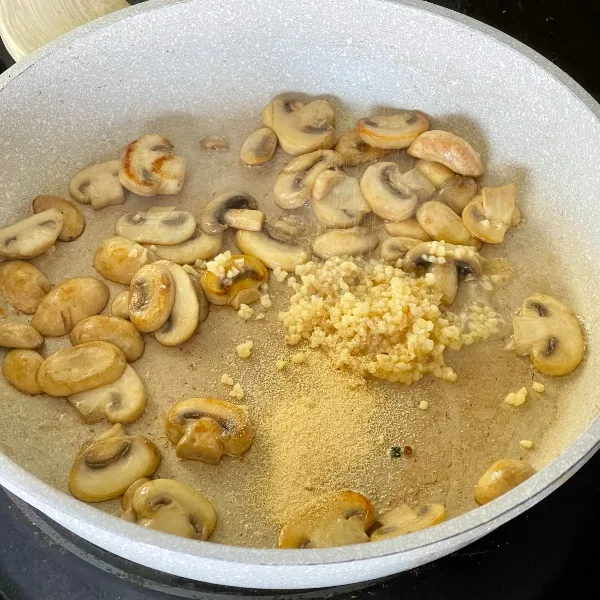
{"type": "Point", "coordinates": [226, 379]}
{"type": "Point", "coordinates": [527, 444]}
{"type": "Point", "coordinates": [237, 392]}
{"type": "Point", "coordinates": [517, 398]}
{"type": "Point", "coordinates": [281, 364]}
{"type": "Point", "coordinates": [244, 350]}
{"type": "Point", "coordinates": [299, 358]}
{"type": "Point", "coordinates": [245, 312]}
{"type": "Point", "coordinates": [538, 387]}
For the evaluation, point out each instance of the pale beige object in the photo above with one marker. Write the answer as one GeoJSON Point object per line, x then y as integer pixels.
{"type": "Point", "coordinates": [23, 285]}
{"type": "Point", "coordinates": [26, 25]}
{"type": "Point", "coordinates": [20, 369]}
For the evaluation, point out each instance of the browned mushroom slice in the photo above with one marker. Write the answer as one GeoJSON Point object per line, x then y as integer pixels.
{"type": "Point", "coordinates": [73, 220]}
{"type": "Point", "coordinates": [23, 285]}
{"type": "Point", "coordinates": [161, 225]}
{"type": "Point", "coordinates": [271, 249]}
{"type": "Point", "coordinates": [354, 151]}
{"type": "Point", "coordinates": [501, 477]}
{"type": "Point", "coordinates": [98, 185]}
{"type": "Point", "coordinates": [108, 464]}
{"type": "Point", "coordinates": [549, 332]}
{"type": "Point", "coordinates": [118, 259]}
{"type": "Point", "coordinates": [355, 241]}
{"type": "Point", "coordinates": [403, 520]}
{"type": "Point", "coordinates": [258, 148]}
{"type": "Point", "coordinates": [213, 214]}
{"type": "Point", "coordinates": [15, 334]}
{"type": "Point", "coordinates": [152, 297]}
{"type": "Point", "coordinates": [149, 166]}
{"type": "Point", "coordinates": [201, 246]}
{"type": "Point", "coordinates": [120, 305]}
{"type": "Point", "coordinates": [32, 236]}
{"type": "Point", "coordinates": [301, 127]}
{"type": "Point", "coordinates": [69, 302]}
{"type": "Point", "coordinates": [206, 428]}
{"type": "Point", "coordinates": [488, 217]}
{"type": "Point", "coordinates": [392, 132]}
{"type": "Point", "coordinates": [336, 519]}
{"type": "Point", "coordinates": [170, 506]}
{"type": "Point", "coordinates": [20, 369]}
{"type": "Point", "coordinates": [128, 512]}
{"type": "Point", "coordinates": [440, 222]}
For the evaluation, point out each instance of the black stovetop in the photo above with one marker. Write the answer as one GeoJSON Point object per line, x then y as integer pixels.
{"type": "Point", "coordinates": [547, 553]}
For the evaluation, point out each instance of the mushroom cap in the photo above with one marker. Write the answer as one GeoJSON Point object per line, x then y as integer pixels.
{"type": "Point", "coordinates": [448, 149]}
{"type": "Point", "coordinates": [440, 222]}
{"type": "Point", "coordinates": [20, 369]}
{"type": "Point", "coordinates": [32, 236]}
{"type": "Point", "coordinates": [183, 320]}
{"type": "Point", "coordinates": [258, 148]}
{"type": "Point", "coordinates": [407, 228]}
{"type": "Point", "coordinates": [385, 192]}
{"type": "Point", "coordinates": [457, 192]}
{"type": "Point", "coordinates": [173, 507]}
{"type": "Point", "coordinates": [212, 215]}
{"type": "Point", "coordinates": [73, 221]}
{"type": "Point", "coordinates": [149, 167]}
{"type": "Point", "coordinates": [337, 200]}
{"type": "Point", "coordinates": [243, 273]}
{"type": "Point", "coordinates": [107, 465]}
{"type": "Point", "coordinates": [152, 297]}
{"type": "Point", "coordinates": [301, 127]}
{"type": "Point", "coordinates": [403, 520]}
{"type": "Point", "coordinates": [501, 477]}
{"type": "Point", "coordinates": [354, 151]}
{"type": "Point", "coordinates": [200, 246]}
{"type": "Point", "coordinates": [118, 259]}
{"type": "Point", "coordinates": [15, 334]}
{"type": "Point", "coordinates": [271, 252]}
{"type": "Point", "coordinates": [98, 185]}
{"type": "Point", "coordinates": [549, 331]}
{"type": "Point", "coordinates": [114, 330]}
{"type": "Point", "coordinates": [163, 226]}
{"type": "Point", "coordinates": [121, 401]}
{"type": "Point", "coordinates": [489, 216]}
{"type": "Point", "coordinates": [345, 242]}
{"type": "Point", "coordinates": [392, 132]}
{"type": "Point", "coordinates": [466, 260]}
{"type": "Point", "coordinates": [293, 186]}
{"type": "Point", "coordinates": [68, 303]}
{"type": "Point", "coordinates": [206, 428]}
{"type": "Point", "coordinates": [23, 285]}
{"type": "Point", "coordinates": [395, 248]}
{"type": "Point", "coordinates": [335, 519]}
{"type": "Point", "coordinates": [81, 368]}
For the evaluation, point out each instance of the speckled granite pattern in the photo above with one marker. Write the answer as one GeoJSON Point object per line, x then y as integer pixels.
{"type": "Point", "coordinates": [170, 62]}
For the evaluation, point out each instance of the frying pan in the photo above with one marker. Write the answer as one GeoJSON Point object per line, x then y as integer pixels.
{"type": "Point", "coordinates": [169, 63]}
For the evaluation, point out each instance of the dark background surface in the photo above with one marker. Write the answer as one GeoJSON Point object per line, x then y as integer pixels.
{"type": "Point", "coordinates": [548, 553]}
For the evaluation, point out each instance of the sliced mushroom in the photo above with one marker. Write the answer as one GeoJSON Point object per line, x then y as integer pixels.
{"type": "Point", "coordinates": [201, 246]}
{"type": "Point", "coordinates": [301, 127]}
{"type": "Point", "coordinates": [337, 200]}
{"type": "Point", "coordinates": [98, 185]}
{"type": "Point", "coordinates": [150, 167]}
{"type": "Point", "coordinates": [392, 132]}
{"type": "Point", "coordinates": [456, 260]}
{"type": "Point", "coordinates": [355, 152]}
{"type": "Point", "coordinates": [23, 285]}
{"type": "Point", "coordinates": [395, 248]}
{"type": "Point", "coordinates": [31, 236]}
{"type": "Point", "coordinates": [388, 196]}
{"type": "Point", "coordinates": [240, 283]}
{"type": "Point", "coordinates": [214, 142]}
{"type": "Point", "coordinates": [121, 401]}
{"type": "Point", "coordinates": [206, 428]}
{"type": "Point", "coordinates": [128, 512]}
{"type": "Point", "coordinates": [501, 477]}
{"type": "Point", "coordinates": [408, 228]}
{"type": "Point", "coordinates": [120, 305]}
{"type": "Point", "coordinates": [69, 302]}
{"type": "Point", "coordinates": [241, 218]}
{"type": "Point", "coordinates": [173, 507]}
{"type": "Point", "coordinates": [457, 192]}
{"type": "Point", "coordinates": [107, 465]}
{"type": "Point", "coordinates": [335, 519]}
{"type": "Point", "coordinates": [270, 251]}
{"type": "Point", "coordinates": [417, 182]}
{"type": "Point", "coordinates": [183, 320]}
{"type": "Point", "coordinates": [345, 242]}
{"type": "Point", "coordinates": [152, 297]}
{"type": "Point", "coordinates": [212, 216]}
{"type": "Point", "coordinates": [14, 334]}
{"type": "Point", "coordinates": [119, 258]}
{"type": "Point", "coordinates": [203, 305]}
{"type": "Point", "coordinates": [258, 148]}
{"type": "Point", "coordinates": [440, 222]}
{"type": "Point", "coordinates": [287, 228]}
{"type": "Point", "coordinates": [436, 172]}
{"type": "Point", "coordinates": [164, 227]}
{"type": "Point", "coordinates": [294, 184]}
{"type": "Point", "coordinates": [488, 217]}
{"type": "Point", "coordinates": [549, 332]}
{"type": "Point", "coordinates": [403, 520]}
{"type": "Point", "coordinates": [73, 221]}
{"type": "Point", "coordinates": [81, 368]}
{"type": "Point", "coordinates": [117, 331]}
{"type": "Point", "coordinates": [448, 149]}
{"type": "Point", "coordinates": [20, 369]}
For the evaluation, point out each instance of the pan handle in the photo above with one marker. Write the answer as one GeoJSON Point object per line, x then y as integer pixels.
{"type": "Point", "coordinates": [25, 25]}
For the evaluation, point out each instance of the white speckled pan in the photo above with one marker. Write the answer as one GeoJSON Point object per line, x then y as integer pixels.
{"type": "Point", "coordinates": [203, 61]}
